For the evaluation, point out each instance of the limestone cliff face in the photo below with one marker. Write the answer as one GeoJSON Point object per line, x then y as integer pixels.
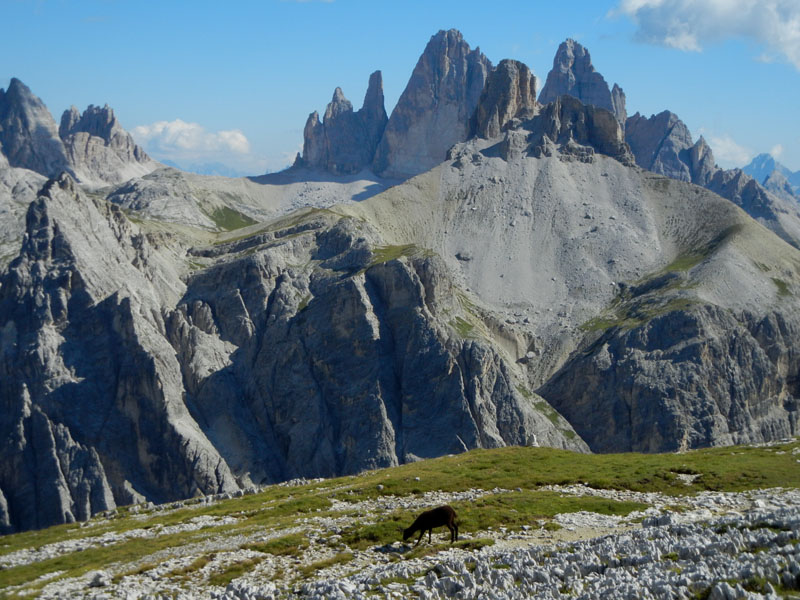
{"type": "Point", "coordinates": [574, 74]}
{"type": "Point", "coordinates": [683, 380]}
{"type": "Point", "coordinates": [509, 93]}
{"type": "Point", "coordinates": [99, 150]}
{"type": "Point", "coordinates": [434, 110]}
{"type": "Point", "coordinates": [91, 395]}
{"type": "Point", "coordinates": [345, 141]}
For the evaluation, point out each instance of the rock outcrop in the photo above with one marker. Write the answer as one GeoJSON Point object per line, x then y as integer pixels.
{"type": "Point", "coordinates": [99, 150]}
{"type": "Point", "coordinates": [91, 393]}
{"type": "Point", "coordinates": [28, 134]}
{"type": "Point", "coordinates": [577, 130]}
{"type": "Point", "coordinates": [509, 93]}
{"type": "Point", "coordinates": [345, 141]}
{"type": "Point", "coordinates": [434, 110]}
{"type": "Point", "coordinates": [574, 74]}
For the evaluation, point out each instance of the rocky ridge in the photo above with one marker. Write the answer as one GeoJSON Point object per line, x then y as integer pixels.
{"type": "Point", "coordinates": [663, 144]}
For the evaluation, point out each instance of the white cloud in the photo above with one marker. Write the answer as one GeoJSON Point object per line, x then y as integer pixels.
{"type": "Point", "coordinates": [690, 24]}
{"type": "Point", "coordinates": [776, 151]}
{"type": "Point", "coordinates": [190, 144]}
{"type": "Point", "coordinates": [180, 136]}
{"type": "Point", "coordinates": [728, 153]}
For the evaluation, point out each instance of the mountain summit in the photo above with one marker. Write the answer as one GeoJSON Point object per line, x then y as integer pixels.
{"type": "Point", "coordinates": [574, 74]}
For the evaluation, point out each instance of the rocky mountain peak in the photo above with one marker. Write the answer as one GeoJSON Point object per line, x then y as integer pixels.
{"type": "Point", "coordinates": [96, 121]}
{"type": "Point", "coordinates": [509, 93]}
{"type": "Point", "coordinates": [28, 134]}
{"type": "Point", "coordinates": [99, 150]}
{"type": "Point", "coordinates": [434, 110]}
{"type": "Point", "coordinates": [574, 74]}
{"type": "Point", "coordinates": [338, 105]}
{"type": "Point", "coordinates": [345, 141]}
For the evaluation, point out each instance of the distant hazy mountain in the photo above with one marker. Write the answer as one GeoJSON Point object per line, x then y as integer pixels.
{"type": "Point", "coordinates": [762, 167]}
{"type": "Point", "coordinates": [209, 168]}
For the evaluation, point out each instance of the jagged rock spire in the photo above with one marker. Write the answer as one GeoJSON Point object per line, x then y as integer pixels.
{"type": "Point", "coordinates": [509, 93]}
{"type": "Point", "coordinates": [28, 133]}
{"type": "Point", "coordinates": [345, 142]}
{"type": "Point", "coordinates": [574, 74]}
{"type": "Point", "coordinates": [433, 111]}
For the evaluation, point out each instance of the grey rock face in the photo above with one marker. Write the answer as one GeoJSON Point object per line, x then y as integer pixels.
{"type": "Point", "coordinates": [661, 144]}
{"type": "Point", "coordinates": [90, 390]}
{"type": "Point", "coordinates": [99, 150]}
{"type": "Point", "coordinates": [509, 93]}
{"type": "Point", "coordinates": [434, 110]}
{"type": "Point", "coordinates": [683, 380]}
{"type": "Point", "coordinates": [577, 130]}
{"type": "Point", "coordinates": [345, 141]}
{"type": "Point", "coordinates": [334, 367]}
{"type": "Point", "coordinates": [574, 74]}
{"type": "Point", "coordinates": [28, 134]}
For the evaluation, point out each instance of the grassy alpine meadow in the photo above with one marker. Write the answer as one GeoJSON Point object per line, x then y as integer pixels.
{"type": "Point", "coordinates": [201, 543]}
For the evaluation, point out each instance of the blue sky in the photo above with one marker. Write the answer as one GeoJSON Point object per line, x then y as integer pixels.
{"type": "Point", "coordinates": [201, 82]}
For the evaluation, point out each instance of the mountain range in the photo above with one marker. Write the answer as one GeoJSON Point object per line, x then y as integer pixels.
{"type": "Point", "coordinates": [483, 267]}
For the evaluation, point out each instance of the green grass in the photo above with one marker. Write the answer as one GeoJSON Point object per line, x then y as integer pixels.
{"type": "Point", "coordinates": [233, 571]}
{"type": "Point", "coordinates": [463, 327]}
{"type": "Point", "coordinates": [197, 564]}
{"type": "Point", "coordinates": [383, 254]}
{"type": "Point", "coordinates": [337, 559]}
{"type": "Point", "coordinates": [229, 219]}
{"type": "Point", "coordinates": [783, 289]}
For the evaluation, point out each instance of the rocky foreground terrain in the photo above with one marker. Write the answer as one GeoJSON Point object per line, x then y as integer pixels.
{"type": "Point", "coordinates": [596, 542]}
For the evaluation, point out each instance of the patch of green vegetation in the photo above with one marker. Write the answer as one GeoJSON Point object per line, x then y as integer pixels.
{"type": "Point", "coordinates": [383, 254]}
{"type": "Point", "coordinates": [197, 564]}
{"type": "Point", "coordinates": [304, 303]}
{"type": "Point", "coordinates": [551, 526]}
{"type": "Point", "coordinates": [783, 289]}
{"type": "Point", "coordinates": [463, 327]}
{"type": "Point", "coordinates": [685, 262]}
{"type": "Point", "coordinates": [337, 559]}
{"type": "Point", "coordinates": [233, 571]}
{"type": "Point", "coordinates": [228, 219]}
{"type": "Point", "coordinates": [548, 411]}
{"type": "Point", "coordinates": [137, 570]}
{"type": "Point", "coordinates": [287, 545]}
{"type": "Point", "coordinates": [515, 509]}
{"type": "Point", "coordinates": [526, 393]}
{"type": "Point", "coordinates": [385, 531]}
